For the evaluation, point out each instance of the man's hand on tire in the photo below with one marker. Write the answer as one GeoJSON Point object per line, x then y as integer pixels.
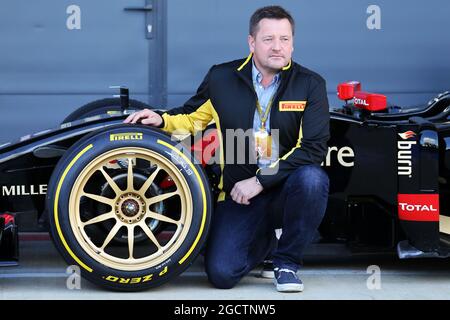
{"type": "Point", "coordinates": [145, 116]}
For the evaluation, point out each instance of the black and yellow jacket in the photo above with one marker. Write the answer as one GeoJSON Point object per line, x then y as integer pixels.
{"type": "Point", "coordinates": [226, 95]}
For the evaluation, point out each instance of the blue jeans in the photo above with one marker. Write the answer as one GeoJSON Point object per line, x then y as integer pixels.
{"type": "Point", "coordinates": [241, 236]}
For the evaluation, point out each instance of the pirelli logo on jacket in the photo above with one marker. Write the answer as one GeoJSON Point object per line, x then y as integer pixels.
{"type": "Point", "coordinates": [292, 105]}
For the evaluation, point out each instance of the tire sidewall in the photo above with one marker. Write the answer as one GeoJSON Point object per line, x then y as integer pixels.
{"type": "Point", "coordinates": [60, 188]}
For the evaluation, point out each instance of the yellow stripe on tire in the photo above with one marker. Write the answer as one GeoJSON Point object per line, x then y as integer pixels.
{"type": "Point", "coordinates": [202, 226]}
{"type": "Point", "coordinates": [58, 190]}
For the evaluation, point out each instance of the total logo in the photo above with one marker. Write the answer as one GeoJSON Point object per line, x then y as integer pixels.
{"type": "Point", "coordinates": [361, 102]}
{"type": "Point", "coordinates": [418, 207]}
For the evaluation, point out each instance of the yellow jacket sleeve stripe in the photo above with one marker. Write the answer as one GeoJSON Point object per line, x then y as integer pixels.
{"type": "Point", "coordinates": [192, 122]}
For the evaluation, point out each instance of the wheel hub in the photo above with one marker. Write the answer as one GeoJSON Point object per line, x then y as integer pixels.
{"type": "Point", "coordinates": [120, 180]}
{"type": "Point", "coordinates": [130, 208]}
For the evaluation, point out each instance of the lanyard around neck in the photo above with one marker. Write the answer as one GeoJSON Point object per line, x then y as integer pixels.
{"type": "Point", "coordinates": [264, 117]}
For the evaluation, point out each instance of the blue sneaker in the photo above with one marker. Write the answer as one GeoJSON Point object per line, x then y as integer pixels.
{"type": "Point", "coordinates": [286, 280]}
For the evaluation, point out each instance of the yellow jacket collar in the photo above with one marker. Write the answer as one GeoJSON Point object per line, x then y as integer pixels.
{"type": "Point", "coordinates": [250, 57]}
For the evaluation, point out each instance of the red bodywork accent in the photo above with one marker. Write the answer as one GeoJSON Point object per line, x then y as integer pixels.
{"type": "Point", "coordinates": [370, 101]}
{"type": "Point", "coordinates": [202, 150]}
{"type": "Point", "coordinates": [346, 90]}
{"type": "Point", "coordinates": [364, 100]}
{"type": "Point", "coordinates": [9, 218]}
{"type": "Point", "coordinates": [418, 207]}
{"type": "Point", "coordinates": [167, 182]}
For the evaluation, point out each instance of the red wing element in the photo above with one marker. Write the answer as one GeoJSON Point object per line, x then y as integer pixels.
{"type": "Point", "coordinates": [365, 100]}
{"type": "Point", "coordinates": [370, 101]}
{"type": "Point", "coordinates": [346, 90]}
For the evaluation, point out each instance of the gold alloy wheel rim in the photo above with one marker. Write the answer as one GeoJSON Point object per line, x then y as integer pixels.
{"type": "Point", "coordinates": [130, 208]}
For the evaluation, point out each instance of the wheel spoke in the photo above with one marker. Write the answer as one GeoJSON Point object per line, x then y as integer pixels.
{"type": "Point", "coordinates": [111, 235]}
{"type": "Point", "coordinates": [160, 217]}
{"type": "Point", "coordinates": [161, 197]}
{"type": "Point", "coordinates": [98, 198]}
{"type": "Point", "coordinates": [150, 234]}
{"type": "Point", "coordinates": [111, 182]}
{"type": "Point", "coordinates": [149, 181]}
{"type": "Point", "coordinates": [99, 218]}
{"type": "Point", "coordinates": [130, 175]}
{"type": "Point", "coordinates": [131, 241]}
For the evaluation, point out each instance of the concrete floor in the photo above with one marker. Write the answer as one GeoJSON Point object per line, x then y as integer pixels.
{"type": "Point", "coordinates": [41, 275]}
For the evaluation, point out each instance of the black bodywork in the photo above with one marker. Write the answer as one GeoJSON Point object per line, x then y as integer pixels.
{"type": "Point", "coordinates": [372, 166]}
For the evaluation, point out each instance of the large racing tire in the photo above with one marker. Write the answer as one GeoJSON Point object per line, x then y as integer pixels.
{"type": "Point", "coordinates": [86, 217]}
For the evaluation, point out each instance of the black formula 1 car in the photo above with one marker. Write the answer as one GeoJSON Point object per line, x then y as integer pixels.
{"type": "Point", "coordinates": [131, 207]}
